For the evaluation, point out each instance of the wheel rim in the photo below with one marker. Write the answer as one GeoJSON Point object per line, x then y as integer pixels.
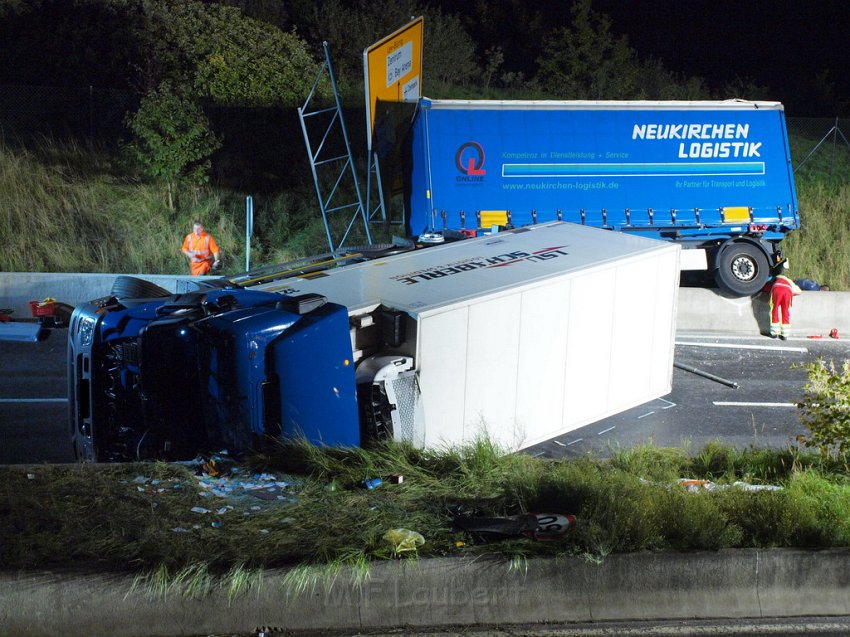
{"type": "Point", "coordinates": [744, 268]}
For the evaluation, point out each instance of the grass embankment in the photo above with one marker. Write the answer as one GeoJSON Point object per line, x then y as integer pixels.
{"type": "Point", "coordinates": [819, 249]}
{"type": "Point", "coordinates": [68, 208]}
{"type": "Point", "coordinates": [139, 517]}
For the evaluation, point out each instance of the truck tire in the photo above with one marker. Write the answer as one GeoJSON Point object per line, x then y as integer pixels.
{"type": "Point", "coordinates": [130, 287]}
{"type": "Point", "coordinates": [742, 269]}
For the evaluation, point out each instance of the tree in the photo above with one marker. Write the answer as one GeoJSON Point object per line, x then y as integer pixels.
{"type": "Point", "coordinates": [350, 27]}
{"type": "Point", "coordinates": [196, 53]}
{"type": "Point", "coordinates": [215, 52]}
{"type": "Point", "coordinates": [585, 60]}
{"type": "Point", "coordinates": [173, 140]}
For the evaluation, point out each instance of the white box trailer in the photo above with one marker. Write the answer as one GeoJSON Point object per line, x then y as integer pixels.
{"type": "Point", "coordinates": [522, 335]}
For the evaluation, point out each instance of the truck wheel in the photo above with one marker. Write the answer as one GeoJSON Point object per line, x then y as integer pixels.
{"type": "Point", "coordinates": [742, 269]}
{"type": "Point", "coordinates": [130, 287]}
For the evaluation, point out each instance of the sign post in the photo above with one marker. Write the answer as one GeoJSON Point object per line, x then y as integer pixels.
{"type": "Point", "coordinates": [249, 229]}
{"type": "Point", "coordinates": [392, 69]}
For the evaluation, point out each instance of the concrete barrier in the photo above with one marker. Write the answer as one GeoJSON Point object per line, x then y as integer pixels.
{"type": "Point", "coordinates": [699, 309]}
{"type": "Point", "coordinates": [17, 289]}
{"type": "Point", "coordinates": [745, 583]}
{"type": "Point", "coordinates": [813, 313]}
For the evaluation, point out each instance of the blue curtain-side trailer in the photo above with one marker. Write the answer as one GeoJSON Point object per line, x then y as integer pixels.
{"type": "Point", "coordinates": [715, 177]}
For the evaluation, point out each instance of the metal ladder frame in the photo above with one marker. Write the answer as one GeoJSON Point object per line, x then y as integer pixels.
{"type": "Point", "coordinates": [327, 204]}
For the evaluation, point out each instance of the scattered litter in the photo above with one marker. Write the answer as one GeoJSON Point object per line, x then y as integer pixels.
{"type": "Point", "coordinates": [403, 540]}
{"type": "Point", "coordinates": [142, 489]}
{"type": "Point", "coordinates": [707, 485]}
{"type": "Point", "coordinates": [30, 476]}
{"type": "Point", "coordinates": [141, 480]}
{"type": "Point", "coordinates": [201, 510]}
{"type": "Point", "coordinates": [371, 483]}
{"type": "Point", "coordinates": [224, 510]}
{"type": "Point", "coordinates": [256, 508]}
{"type": "Point", "coordinates": [234, 487]}
{"type": "Point", "coordinates": [180, 529]}
{"type": "Point", "coordinates": [216, 524]}
{"type": "Point", "coordinates": [264, 530]}
{"type": "Point", "coordinates": [396, 478]}
{"type": "Point", "coordinates": [695, 485]}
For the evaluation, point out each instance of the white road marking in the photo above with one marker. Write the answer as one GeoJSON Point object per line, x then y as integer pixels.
{"type": "Point", "coordinates": [605, 431]}
{"type": "Point", "coordinates": [575, 441]}
{"type": "Point", "coordinates": [669, 403]}
{"type": "Point", "coordinates": [645, 415]}
{"type": "Point", "coordinates": [33, 400]}
{"type": "Point", "coordinates": [559, 443]}
{"type": "Point", "coordinates": [770, 348]}
{"type": "Point", "coordinates": [721, 403]}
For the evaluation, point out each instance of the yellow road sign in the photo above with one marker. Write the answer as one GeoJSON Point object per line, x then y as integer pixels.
{"type": "Point", "coordinates": [393, 70]}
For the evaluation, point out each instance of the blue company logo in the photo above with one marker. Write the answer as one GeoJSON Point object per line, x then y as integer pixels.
{"type": "Point", "coordinates": [469, 160]}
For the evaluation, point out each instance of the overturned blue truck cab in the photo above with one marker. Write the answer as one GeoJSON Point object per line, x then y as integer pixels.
{"type": "Point", "coordinates": [165, 377]}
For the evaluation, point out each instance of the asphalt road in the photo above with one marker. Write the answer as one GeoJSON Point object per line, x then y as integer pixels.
{"type": "Point", "coordinates": [759, 412]}
{"type": "Point", "coordinates": [33, 402]}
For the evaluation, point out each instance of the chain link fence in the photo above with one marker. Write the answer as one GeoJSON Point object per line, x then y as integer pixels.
{"type": "Point", "coordinates": [83, 113]}
{"type": "Point", "coordinates": [820, 147]}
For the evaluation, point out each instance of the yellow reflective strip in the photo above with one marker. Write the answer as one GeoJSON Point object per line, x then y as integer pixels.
{"type": "Point", "coordinates": [736, 214]}
{"type": "Point", "coordinates": [494, 218]}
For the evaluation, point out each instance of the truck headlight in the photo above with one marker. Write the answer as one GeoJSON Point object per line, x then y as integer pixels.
{"type": "Point", "coordinates": [86, 331]}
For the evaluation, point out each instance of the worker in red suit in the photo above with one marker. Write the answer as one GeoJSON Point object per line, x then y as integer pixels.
{"type": "Point", "coordinates": [782, 292]}
{"type": "Point", "coordinates": [202, 250]}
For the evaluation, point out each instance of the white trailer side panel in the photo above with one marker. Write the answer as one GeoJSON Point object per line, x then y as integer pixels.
{"type": "Point", "coordinates": [526, 335]}
{"type": "Point", "coordinates": [540, 404]}
{"type": "Point", "coordinates": [536, 363]}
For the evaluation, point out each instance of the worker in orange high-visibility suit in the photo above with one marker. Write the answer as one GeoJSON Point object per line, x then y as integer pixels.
{"type": "Point", "coordinates": [782, 292]}
{"type": "Point", "coordinates": [202, 250]}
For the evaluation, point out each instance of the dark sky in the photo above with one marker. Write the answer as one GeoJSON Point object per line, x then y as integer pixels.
{"type": "Point", "coordinates": [781, 43]}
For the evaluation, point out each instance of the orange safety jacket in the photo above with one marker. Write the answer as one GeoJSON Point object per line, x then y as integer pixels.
{"type": "Point", "coordinates": [202, 248]}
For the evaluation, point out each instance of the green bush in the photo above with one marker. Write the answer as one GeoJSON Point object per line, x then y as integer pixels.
{"type": "Point", "coordinates": [173, 141]}
{"type": "Point", "coordinates": [825, 408]}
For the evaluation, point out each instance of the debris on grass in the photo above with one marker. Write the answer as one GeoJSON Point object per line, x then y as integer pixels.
{"type": "Point", "coordinates": [403, 540]}
{"type": "Point", "coordinates": [153, 514]}
{"type": "Point", "coordinates": [696, 485]}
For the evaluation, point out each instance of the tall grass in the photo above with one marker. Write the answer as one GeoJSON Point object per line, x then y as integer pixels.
{"type": "Point", "coordinates": [819, 249]}
{"type": "Point", "coordinates": [72, 208]}
{"type": "Point", "coordinates": [100, 516]}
